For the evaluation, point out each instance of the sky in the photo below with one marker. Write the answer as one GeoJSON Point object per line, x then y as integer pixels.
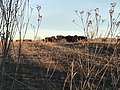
{"type": "Point", "coordinates": [57, 15]}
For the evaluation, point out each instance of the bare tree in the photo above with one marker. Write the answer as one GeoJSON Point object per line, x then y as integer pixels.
{"type": "Point", "coordinates": [12, 20]}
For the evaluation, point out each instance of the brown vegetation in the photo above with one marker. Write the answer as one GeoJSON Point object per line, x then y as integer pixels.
{"type": "Point", "coordinates": [57, 66]}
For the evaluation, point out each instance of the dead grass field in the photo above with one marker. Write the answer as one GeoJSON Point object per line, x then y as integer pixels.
{"type": "Point", "coordinates": [62, 66]}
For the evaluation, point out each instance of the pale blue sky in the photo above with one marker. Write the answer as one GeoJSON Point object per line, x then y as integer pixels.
{"type": "Point", "coordinates": [58, 15]}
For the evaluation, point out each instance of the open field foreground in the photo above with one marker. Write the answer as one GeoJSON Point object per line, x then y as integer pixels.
{"type": "Point", "coordinates": [63, 66]}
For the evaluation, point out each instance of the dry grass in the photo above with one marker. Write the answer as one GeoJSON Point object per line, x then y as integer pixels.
{"type": "Point", "coordinates": [73, 66]}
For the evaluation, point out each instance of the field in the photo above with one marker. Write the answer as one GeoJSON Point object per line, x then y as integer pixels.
{"type": "Point", "coordinates": [63, 66]}
{"type": "Point", "coordinates": [88, 62]}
